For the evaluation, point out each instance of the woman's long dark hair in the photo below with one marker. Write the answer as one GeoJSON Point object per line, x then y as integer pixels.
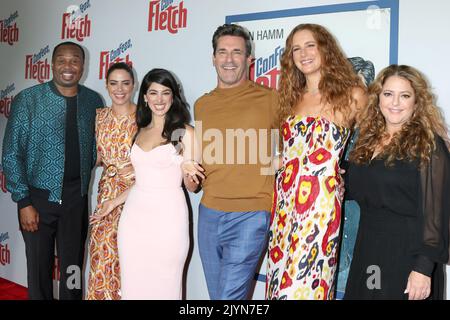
{"type": "Point", "coordinates": [178, 115]}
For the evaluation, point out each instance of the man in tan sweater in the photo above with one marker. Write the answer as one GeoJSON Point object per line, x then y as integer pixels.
{"type": "Point", "coordinates": [236, 121]}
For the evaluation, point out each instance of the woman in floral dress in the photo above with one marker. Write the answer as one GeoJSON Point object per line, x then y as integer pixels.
{"type": "Point", "coordinates": [319, 97]}
{"type": "Point", "coordinates": [115, 130]}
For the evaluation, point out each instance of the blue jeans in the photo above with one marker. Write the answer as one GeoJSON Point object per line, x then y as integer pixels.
{"type": "Point", "coordinates": [349, 233]}
{"type": "Point", "coordinates": [231, 245]}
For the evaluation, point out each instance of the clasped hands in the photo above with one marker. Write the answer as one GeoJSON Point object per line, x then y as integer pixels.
{"type": "Point", "coordinates": [102, 211]}
{"type": "Point", "coordinates": [193, 170]}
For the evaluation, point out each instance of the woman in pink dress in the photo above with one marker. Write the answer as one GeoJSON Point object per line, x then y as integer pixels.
{"type": "Point", "coordinates": [153, 234]}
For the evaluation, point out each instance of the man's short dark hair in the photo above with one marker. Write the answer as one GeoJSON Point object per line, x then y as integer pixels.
{"type": "Point", "coordinates": [233, 30]}
{"type": "Point", "coordinates": [68, 43]}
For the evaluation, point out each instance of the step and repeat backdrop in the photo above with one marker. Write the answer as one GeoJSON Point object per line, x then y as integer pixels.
{"type": "Point", "coordinates": [176, 35]}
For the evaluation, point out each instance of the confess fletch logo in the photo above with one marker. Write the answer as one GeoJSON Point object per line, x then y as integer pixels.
{"type": "Point", "coordinates": [121, 54]}
{"type": "Point", "coordinates": [36, 67]}
{"type": "Point", "coordinates": [163, 15]}
{"type": "Point", "coordinates": [74, 24]}
{"type": "Point", "coordinates": [3, 182]}
{"type": "Point", "coordinates": [266, 70]}
{"type": "Point", "coordinates": [5, 253]}
{"type": "Point", "coordinates": [6, 98]}
{"type": "Point", "coordinates": [9, 32]}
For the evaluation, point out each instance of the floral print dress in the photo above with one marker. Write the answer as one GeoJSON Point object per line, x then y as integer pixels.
{"type": "Point", "coordinates": [114, 136]}
{"type": "Point", "coordinates": [306, 213]}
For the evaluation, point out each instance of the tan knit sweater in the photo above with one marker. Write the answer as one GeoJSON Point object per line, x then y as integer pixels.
{"type": "Point", "coordinates": [236, 139]}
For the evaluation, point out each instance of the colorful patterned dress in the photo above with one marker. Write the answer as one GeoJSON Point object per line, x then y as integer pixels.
{"type": "Point", "coordinates": [114, 136]}
{"type": "Point", "coordinates": [306, 212]}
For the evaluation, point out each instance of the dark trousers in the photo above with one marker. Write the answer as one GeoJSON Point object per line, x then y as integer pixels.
{"type": "Point", "coordinates": [68, 224]}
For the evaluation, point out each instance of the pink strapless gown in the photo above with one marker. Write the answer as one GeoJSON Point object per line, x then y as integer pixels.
{"type": "Point", "coordinates": [153, 233]}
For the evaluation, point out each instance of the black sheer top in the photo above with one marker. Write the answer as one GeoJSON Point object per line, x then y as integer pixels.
{"type": "Point", "coordinates": [434, 204]}
{"type": "Point", "coordinates": [407, 191]}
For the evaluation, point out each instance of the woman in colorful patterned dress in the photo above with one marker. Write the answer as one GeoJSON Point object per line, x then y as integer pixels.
{"type": "Point", "coordinates": [115, 129]}
{"type": "Point", "coordinates": [319, 98]}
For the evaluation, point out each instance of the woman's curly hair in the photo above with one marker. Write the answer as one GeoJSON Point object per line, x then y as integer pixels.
{"type": "Point", "coordinates": [416, 139]}
{"type": "Point", "coordinates": [337, 75]}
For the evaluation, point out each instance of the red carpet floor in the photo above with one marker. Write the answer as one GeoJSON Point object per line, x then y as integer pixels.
{"type": "Point", "coordinates": [12, 291]}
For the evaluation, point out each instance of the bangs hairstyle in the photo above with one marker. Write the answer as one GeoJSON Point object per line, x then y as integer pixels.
{"type": "Point", "coordinates": [178, 115]}
{"type": "Point", "coordinates": [416, 139]}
